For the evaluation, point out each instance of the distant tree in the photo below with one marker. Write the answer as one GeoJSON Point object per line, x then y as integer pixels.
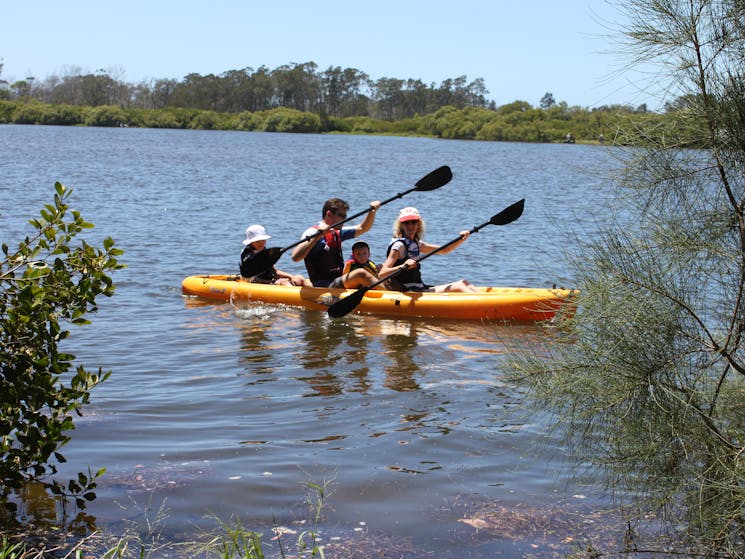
{"type": "Point", "coordinates": [388, 96]}
{"type": "Point", "coordinates": [515, 106]}
{"type": "Point", "coordinates": [263, 90]}
{"type": "Point", "coordinates": [476, 93]}
{"type": "Point", "coordinates": [649, 383]}
{"type": "Point", "coordinates": [417, 98]}
{"type": "Point", "coordinates": [160, 93]}
{"type": "Point", "coordinates": [20, 89]}
{"type": "Point", "coordinates": [683, 102]}
{"type": "Point", "coordinates": [298, 86]}
{"type": "Point", "coordinates": [342, 91]}
{"type": "Point", "coordinates": [197, 92]}
{"type": "Point", "coordinates": [547, 101]}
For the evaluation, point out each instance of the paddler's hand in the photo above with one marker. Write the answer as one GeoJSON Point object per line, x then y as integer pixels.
{"type": "Point", "coordinates": [374, 205]}
{"type": "Point", "coordinates": [464, 234]}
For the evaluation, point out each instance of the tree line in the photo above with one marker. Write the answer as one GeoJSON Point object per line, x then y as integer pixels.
{"type": "Point", "coordinates": [515, 122]}
{"type": "Point", "coordinates": [300, 98]}
{"type": "Point", "coordinates": [337, 92]}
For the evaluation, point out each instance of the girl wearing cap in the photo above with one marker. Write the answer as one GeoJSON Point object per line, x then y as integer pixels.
{"type": "Point", "coordinates": [255, 253]}
{"type": "Point", "coordinates": [404, 250]}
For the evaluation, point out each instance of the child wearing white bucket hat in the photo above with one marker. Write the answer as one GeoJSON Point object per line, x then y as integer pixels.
{"type": "Point", "coordinates": [255, 255]}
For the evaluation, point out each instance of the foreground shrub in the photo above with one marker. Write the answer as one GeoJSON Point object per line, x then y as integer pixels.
{"type": "Point", "coordinates": [46, 284]}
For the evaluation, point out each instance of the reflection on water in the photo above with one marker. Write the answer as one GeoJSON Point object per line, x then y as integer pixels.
{"type": "Point", "coordinates": [400, 340]}
{"type": "Point", "coordinates": [257, 356]}
{"type": "Point", "coordinates": [334, 356]}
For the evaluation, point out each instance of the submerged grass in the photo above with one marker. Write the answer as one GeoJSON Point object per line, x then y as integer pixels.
{"type": "Point", "coordinates": [480, 528]}
{"type": "Point", "coordinates": [230, 540]}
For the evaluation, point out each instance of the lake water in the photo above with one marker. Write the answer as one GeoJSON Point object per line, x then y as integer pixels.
{"type": "Point", "coordinates": [216, 410]}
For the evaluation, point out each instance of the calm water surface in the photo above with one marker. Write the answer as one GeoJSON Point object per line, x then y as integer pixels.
{"type": "Point", "coordinates": [228, 411]}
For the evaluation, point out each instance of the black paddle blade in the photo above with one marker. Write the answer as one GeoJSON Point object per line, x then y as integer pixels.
{"type": "Point", "coordinates": [436, 179]}
{"type": "Point", "coordinates": [274, 254]}
{"type": "Point", "coordinates": [509, 214]}
{"type": "Point", "coordinates": [345, 306]}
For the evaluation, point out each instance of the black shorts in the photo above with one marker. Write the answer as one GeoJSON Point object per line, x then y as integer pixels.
{"type": "Point", "coordinates": [337, 283]}
{"type": "Point", "coordinates": [394, 285]}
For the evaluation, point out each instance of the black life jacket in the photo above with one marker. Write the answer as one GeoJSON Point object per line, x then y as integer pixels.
{"type": "Point", "coordinates": [410, 276]}
{"type": "Point", "coordinates": [325, 263]}
{"type": "Point", "coordinates": [251, 260]}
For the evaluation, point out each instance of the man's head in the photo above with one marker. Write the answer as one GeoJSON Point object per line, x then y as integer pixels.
{"type": "Point", "coordinates": [334, 210]}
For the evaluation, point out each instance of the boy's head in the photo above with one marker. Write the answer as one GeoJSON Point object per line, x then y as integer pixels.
{"type": "Point", "coordinates": [361, 252]}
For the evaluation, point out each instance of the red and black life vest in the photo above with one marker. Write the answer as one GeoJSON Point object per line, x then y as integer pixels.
{"type": "Point", "coordinates": [325, 261]}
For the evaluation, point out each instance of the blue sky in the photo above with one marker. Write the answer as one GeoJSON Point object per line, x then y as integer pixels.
{"type": "Point", "coordinates": [521, 49]}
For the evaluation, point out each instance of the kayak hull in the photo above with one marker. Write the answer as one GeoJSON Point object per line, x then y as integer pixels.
{"type": "Point", "coordinates": [515, 304]}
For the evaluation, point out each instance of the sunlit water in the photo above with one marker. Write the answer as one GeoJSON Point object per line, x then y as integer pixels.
{"type": "Point", "coordinates": [212, 409]}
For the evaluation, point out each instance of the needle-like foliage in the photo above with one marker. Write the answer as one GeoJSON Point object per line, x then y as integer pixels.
{"type": "Point", "coordinates": [649, 384]}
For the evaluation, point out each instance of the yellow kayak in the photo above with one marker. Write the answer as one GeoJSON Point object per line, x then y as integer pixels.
{"type": "Point", "coordinates": [520, 304]}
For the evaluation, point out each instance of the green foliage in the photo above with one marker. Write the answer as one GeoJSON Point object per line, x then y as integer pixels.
{"type": "Point", "coordinates": [182, 117]}
{"type": "Point", "coordinates": [45, 285]}
{"type": "Point", "coordinates": [207, 120]}
{"type": "Point", "coordinates": [649, 382]}
{"type": "Point", "coordinates": [154, 119]}
{"type": "Point", "coordinates": [515, 122]}
{"type": "Point", "coordinates": [61, 115]}
{"type": "Point", "coordinates": [237, 541]}
{"type": "Point", "coordinates": [6, 111]}
{"type": "Point", "coordinates": [290, 120]}
{"type": "Point", "coordinates": [367, 125]}
{"type": "Point", "coordinates": [334, 124]}
{"type": "Point", "coordinates": [10, 550]}
{"type": "Point", "coordinates": [248, 121]}
{"type": "Point", "coordinates": [105, 115]}
{"type": "Point", "coordinates": [40, 113]}
{"type": "Point", "coordinates": [27, 113]}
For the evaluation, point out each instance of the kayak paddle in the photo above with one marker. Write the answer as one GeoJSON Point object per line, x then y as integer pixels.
{"type": "Point", "coordinates": [349, 303]}
{"type": "Point", "coordinates": [434, 180]}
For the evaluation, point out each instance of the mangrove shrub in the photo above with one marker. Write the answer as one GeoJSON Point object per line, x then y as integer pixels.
{"type": "Point", "coordinates": [47, 284]}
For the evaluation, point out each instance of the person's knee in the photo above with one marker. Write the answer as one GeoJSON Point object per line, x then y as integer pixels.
{"type": "Point", "coordinates": [358, 278]}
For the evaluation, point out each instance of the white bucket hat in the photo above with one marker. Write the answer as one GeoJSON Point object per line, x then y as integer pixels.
{"type": "Point", "coordinates": [255, 233]}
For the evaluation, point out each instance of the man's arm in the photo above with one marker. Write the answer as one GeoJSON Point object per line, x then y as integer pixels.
{"type": "Point", "coordinates": [369, 220]}
{"type": "Point", "coordinates": [303, 249]}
